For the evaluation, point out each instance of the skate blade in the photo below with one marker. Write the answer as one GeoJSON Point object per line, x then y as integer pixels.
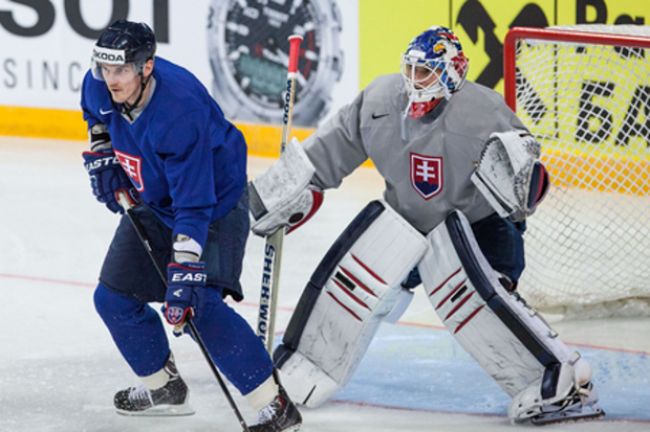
{"type": "Point", "coordinates": [294, 428]}
{"type": "Point", "coordinates": [160, 411]}
{"type": "Point", "coordinates": [594, 413]}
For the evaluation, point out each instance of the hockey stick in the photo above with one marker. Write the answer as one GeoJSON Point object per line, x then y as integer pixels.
{"type": "Point", "coordinates": [139, 230]}
{"type": "Point", "coordinates": [273, 246]}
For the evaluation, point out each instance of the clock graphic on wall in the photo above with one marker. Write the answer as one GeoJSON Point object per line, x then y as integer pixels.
{"type": "Point", "coordinates": [249, 54]}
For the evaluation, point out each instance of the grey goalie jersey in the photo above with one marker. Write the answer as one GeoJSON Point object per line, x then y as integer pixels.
{"type": "Point", "coordinates": [426, 163]}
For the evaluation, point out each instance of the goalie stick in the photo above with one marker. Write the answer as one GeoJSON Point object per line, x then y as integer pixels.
{"type": "Point", "coordinates": [139, 230]}
{"type": "Point", "coordinates": [273, 246]}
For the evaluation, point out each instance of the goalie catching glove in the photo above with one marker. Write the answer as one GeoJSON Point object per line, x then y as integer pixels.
{"type": "Point", "coordinates": [283, 195]}
{"type": "Point", "coordinates": [510, 175]}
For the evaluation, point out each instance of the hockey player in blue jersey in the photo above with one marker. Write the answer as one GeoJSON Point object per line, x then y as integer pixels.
{"type": "Point", "coordinates": [160, 140]}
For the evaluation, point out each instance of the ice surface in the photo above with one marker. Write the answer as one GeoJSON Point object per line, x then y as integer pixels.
{"type": "Point", "coordinates": [59, 368]}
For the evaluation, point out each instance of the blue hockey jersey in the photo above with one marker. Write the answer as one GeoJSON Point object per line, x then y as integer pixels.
{"type": "Point", "coordinates": [185, 159]}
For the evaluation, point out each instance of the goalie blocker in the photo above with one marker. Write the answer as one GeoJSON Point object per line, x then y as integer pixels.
{"type": "Point", "coordinates": [283, 195]}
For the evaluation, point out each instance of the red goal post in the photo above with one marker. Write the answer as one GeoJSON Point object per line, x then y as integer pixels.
{"type": "Point", "coordinates": [557, 35]}
{"type": "Point", "coordinates": [584, 92]}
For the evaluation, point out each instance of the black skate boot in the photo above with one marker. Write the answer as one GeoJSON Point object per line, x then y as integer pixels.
{"type": "Point", "coordinates": [281, 415]}
{"type": "Point", "coordinates": [169, 400]}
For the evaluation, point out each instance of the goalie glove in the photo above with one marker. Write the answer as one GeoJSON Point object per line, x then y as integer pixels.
{"type": "Point", "coordinates": [510, 175]}
{"type": "Point", "coordinates": [292, 216]}
{"type": "Point", "coordinates": [283, 195]}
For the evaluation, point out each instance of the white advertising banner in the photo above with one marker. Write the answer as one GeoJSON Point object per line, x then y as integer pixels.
{"type": "Point", "coordinates": [46, 46]}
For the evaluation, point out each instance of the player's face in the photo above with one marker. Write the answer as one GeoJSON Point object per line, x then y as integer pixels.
{"type": "Point", "coordinates": [422, 77]}
{"type": "Point", "coordinates": [122, 81]}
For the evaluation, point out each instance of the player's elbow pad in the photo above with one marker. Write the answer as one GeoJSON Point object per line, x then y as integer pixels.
{"type": "Point", "coordinates": [291, 216]}
{"type": "Point", "coordinates": [99, 138]}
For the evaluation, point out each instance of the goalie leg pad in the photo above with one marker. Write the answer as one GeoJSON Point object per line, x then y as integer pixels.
{"type": "Point", "coordinates": [356, 285]}
{"type": "Point", "coordinates": [509, 340]}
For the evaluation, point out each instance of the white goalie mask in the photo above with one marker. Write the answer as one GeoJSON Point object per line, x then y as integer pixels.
{"type": "Point", "coordinates": [433, 65]}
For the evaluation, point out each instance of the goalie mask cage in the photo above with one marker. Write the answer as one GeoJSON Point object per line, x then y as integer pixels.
{"type": "Point", "coordinates": [584, 92]}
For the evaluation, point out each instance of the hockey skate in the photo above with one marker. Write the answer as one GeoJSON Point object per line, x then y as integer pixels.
{"type": "Point", "coordinates": [581, 405]}
{"type": "Point", "coordinates": [281, 415]}
{"type": "Point", "coordinates": [575, 398]}
{"type": "Point", "coordinates": [168, 400]}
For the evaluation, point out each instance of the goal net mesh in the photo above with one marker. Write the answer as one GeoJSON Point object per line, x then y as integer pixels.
{"type": "Point", "coordinates": [588, 245]}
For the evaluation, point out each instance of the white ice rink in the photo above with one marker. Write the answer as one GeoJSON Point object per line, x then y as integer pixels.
{"type": "Point", "coordinates": [59, 368]}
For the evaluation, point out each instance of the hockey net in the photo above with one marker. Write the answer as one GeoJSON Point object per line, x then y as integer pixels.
{"type": "Point", "coordinates": [584, 92]}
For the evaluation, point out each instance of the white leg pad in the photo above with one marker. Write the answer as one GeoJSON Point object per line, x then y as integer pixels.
{"type": "Point", "coordinates": [509, 340]}
{"type": "Point", "coordinates": [343, 315]}
{"type": "Point", "coordinates": [306, 382]}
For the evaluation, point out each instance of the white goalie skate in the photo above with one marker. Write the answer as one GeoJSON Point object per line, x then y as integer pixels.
{"type": "Point", "coordinates": [575, 397]}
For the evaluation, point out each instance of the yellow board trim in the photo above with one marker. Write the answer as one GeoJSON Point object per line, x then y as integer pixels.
{"type": "Point", "coordinates": [42, 122]}
{"type": "Point", "coordinates": [263, 140]}
{"type": "Point", "coordinates": [566, 169]}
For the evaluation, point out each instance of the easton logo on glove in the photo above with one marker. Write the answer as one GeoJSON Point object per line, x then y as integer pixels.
{"type": "Point", "coordinates": [103, 161]}
{"type": "Point", "coordinates": [107, 178]}
{"type": "Point", "coordinates": [182, 280]}
{"type": "Point", "coordinates": [189, 277]}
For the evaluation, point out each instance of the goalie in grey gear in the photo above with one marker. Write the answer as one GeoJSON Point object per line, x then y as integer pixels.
{"type": "Point", "coordinates": [462, 174]}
